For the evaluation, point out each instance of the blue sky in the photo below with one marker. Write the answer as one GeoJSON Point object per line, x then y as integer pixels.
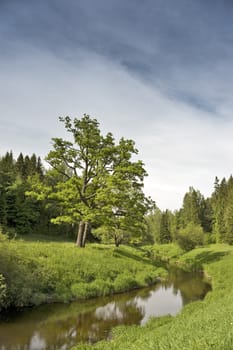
{"type": "Point", "coordinates": [159, 72]}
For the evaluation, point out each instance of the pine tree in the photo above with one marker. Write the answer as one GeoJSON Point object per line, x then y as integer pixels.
{"type": "Point", "coordinates": [165, 232]}
{"type": "Point", "coordinates": [219, 199]}
{"type": "Point", "coordinates": [20, 166]}
{"type": "Point", "coordinates": [228, 214]}
{"type": "Point", "coordinates": [7, 169]}
{"type": "Point", "coordinates": [191, 210]}
{"type": "Point", "coordinates": [39, 168]}
{"type": "Point", "coordinates": [3, 207]}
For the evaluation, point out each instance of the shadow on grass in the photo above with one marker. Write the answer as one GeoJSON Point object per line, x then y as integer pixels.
{"type": "Point", "coordinates": [209, 257]}
{"type": "Point", "coordinates": [100, 247]}
{"type": "Point", "coordinates": [123, 253]}
{"type": "Point", "coordinates": [44, 238]}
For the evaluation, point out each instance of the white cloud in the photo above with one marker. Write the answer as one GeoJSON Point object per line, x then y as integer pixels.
{"type": "Point", "coordinates": [180, 144]}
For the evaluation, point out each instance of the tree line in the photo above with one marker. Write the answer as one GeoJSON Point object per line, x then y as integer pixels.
{"type": "Point", "coordinates": [93, 189]}
{"type": "Point", "coordinates": [19, 213]}
{"type": "Point", "coordinates": [200, 220]}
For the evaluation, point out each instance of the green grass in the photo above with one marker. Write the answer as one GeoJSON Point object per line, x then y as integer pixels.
{"type": "Point", "coordinates": [35, 237]}
{"type": "Point", "coordinates": [164, 253]}
{"type": "Point", "coordinates": [201, 325]}
{"type": "Point", "coordinates": [38, 272]}
{"type": "Point", "coordinates": [32, 273]}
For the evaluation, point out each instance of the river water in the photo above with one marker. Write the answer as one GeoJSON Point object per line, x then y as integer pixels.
{"type": "Point", "coordinates": [60, 326]}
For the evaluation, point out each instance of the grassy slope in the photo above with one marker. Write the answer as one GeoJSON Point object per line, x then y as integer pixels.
{"type": "Point", "coordinates": [201, 325]}
{"type": "Point", "coordinates": [39, 272]}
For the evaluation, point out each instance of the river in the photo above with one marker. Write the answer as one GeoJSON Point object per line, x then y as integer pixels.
{"type": "Point", "coordinates": [60, 326]}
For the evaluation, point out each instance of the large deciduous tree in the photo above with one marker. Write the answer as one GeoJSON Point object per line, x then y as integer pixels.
{"type": "Point", "coordinates": [100, 182]}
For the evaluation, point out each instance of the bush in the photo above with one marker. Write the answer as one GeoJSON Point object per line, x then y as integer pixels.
{"type": "Point", "coordinates": [125, 282]}
{"type": "Point", "coordinates": [89, 290]}
{"type": "Point", "coordinates": [209, 238]}
{"type": "Point", "coordinates": [190, 236]}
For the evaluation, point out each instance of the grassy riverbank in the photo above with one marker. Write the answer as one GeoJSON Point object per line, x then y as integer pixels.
{"type": "Point", "coordinates": [41, 272]}
{"type": "Point", "coordinates": [201, 325]}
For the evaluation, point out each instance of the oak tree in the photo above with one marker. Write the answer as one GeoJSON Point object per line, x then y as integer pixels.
{"type": "Point", "coordinates": [100, 182]}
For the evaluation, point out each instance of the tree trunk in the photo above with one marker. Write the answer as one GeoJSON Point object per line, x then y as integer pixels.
{"type": "Point", "coordinates": [117, 241]}
{"type": "Point", "coordinates": [81, 229]}
{"type": "Point", "coordinates": [86, 229]}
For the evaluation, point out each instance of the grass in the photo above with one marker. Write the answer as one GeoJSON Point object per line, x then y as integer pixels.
{"type": "Point", "coordinates": [35, 237]}
{"type": "Point", "coordinates": [201, 325]}
{"type": "Point", "coordinates": [32, 273]}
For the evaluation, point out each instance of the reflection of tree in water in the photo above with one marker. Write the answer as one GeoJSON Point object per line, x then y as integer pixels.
{"type": "Point", "coordinates": [89, 326]}
{"type": "Point", "coordinates": [145, 293]}
{"type": "Point", "coordinates": [111, 315]}
{"type": "Point", "coordinates": [191, 285]}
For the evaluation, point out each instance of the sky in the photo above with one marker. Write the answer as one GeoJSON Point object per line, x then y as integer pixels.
{"type": "Point", "coordinates": [159, 72]}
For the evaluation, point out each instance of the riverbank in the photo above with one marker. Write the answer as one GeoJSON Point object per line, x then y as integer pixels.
{"type": "Point", "coordinates": [203, 325]}
{"type": "Point", "coordinates": [44, 272]}
{"type": "Point", "coordinates": [61, 326]}
{"type": "Point", "coordinates": [33, 273]}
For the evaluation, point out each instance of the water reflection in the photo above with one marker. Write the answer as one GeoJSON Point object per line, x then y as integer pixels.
{"type": "Point", "coordinates": [62, 326]}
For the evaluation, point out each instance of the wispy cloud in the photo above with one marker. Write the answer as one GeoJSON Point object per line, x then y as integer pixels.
{"type": "Point", "coordinates": [159, 74]}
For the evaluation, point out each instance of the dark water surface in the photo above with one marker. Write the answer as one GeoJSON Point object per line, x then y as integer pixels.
{"type": "Point", "coordinates": [60, 326]}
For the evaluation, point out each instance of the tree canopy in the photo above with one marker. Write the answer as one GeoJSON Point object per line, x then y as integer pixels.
{"type": "Point", "coordinates": [99, 183]}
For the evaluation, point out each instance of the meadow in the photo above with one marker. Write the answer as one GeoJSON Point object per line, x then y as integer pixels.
{"type": "Point", "coordinates": [34, 272]}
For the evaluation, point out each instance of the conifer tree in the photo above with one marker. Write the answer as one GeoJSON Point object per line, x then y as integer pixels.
{"type": "Point", "coordinates": [219, 206]}
{"type": "Point", "coordinates": [3, 207]}
{"type": "Point", "coordinates": [165, 231]}
{"type": "Point", "coordinates": [192, 208]}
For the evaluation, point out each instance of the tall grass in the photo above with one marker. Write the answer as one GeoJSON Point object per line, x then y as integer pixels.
{"type": "Point", "coordinates": [32, 273]}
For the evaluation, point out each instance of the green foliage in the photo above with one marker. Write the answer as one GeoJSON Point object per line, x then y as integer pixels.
{"type": "Point", "coordinates": [192, 207]}
{"type": "Point", "coordinates": [222, 200]}
{"type": "Point", "coordinates": [214, 214]}
{"type": "Point", "coordinates": [124, 282]}
{"type": "Point", "coordinates": [190, 236]}
{"type": "Point", "coordinates": [18, 212]}
{"type": "Point", "coordinates": [3, 206]}
{"type": "Point", "coordinates": [153, 225]}
{"type": "Point", "coordinates": [3, 289]}
{"type": "Point", "coordinates": [94, 180]}
{"type": "Point", "coordinates": [165, 253]}
{"type": "Point", "coordinates": [228, 218]}
{"type": "Point", "coordinates": [209, 238]}
{"type": "Point", "coordinates": [96, 288]}
{"type": "Point", "coordinates": [165, 230]}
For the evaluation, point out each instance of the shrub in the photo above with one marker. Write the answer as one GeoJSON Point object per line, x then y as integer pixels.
{"type": "Point", "coordinates": [124, 282]}
{"type": "Point", "coordinates": [209, 238]}
{"type": "Point", "coordinates": [190, 236]}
